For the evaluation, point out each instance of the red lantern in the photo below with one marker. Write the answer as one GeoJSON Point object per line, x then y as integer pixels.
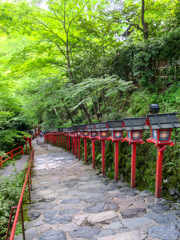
{"type": "Point", "coordinates": [115, 127]}
{"type": "Point", "coordinates": [134, 128]}
{"type": "Point", "coordinates": [161, 128]}
{"type": "Point", "coordinates": [102, 128]}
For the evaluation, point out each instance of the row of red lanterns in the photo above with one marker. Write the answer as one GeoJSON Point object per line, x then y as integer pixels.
{"type": "Point", "coordinates": [161, 128]}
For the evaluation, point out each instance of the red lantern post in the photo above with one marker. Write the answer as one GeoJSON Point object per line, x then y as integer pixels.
{"type": "Point", "coordinates": [103, 135]}
{"type": "Point", "coordinates": [84, 135]}
{"type": "Point", "coordinates": [161, 128]}
{"type": "Point", "coordinates": [115, 127]}
{"type": "Point", "coordinates": [92, 135]}
{"type": "Point", "coordinates": [134, 127]}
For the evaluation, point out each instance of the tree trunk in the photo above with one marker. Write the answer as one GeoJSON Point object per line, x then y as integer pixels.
{"type": "Point", "coordinates": [95, 110]}
{"type": "Point", "coordinates": [86, 113]}
{"type": "Point", "coordinates": [145, 25]}
{"type": "Point", "coordinates": [68, 113]}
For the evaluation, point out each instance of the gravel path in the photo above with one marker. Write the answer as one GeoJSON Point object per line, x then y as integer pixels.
{"type": "Point", "coordinates": [19, 165]}
{"type": "Point", "coordinates": [72, 202]}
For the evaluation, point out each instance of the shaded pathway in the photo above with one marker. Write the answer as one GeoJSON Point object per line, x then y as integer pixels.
{"type": "Point", "coordinates": [20, 165]}
{"type": "Point", "coordinates": [72, 202]}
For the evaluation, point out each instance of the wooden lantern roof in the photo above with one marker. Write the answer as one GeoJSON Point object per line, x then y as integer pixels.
{"type": "Point", "coordinates": [91, 128]}
{"type": "Point", "coordinates": [133, 124]}
{"type": "Point", "coordinates": [100, 127]}
{"type": "Point", "coordinates": [82, 127]}
{"type": "Point", "coordinates": [162, 121]}
{"type": "Point", "coordinates": [75, 128]}
{"type": "Point", "coordinates": [60, 129]}
{"type": "Point", "coordinates": [115, 125]}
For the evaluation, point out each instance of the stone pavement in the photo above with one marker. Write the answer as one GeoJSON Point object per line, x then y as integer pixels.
{"type": "Point", "coordinates": [20, 165]}
{"type": "Point", "coordinates": [70, 201]}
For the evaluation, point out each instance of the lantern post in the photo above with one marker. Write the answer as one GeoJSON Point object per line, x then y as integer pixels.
{"type": "Point", "coordinates": [134, 128]}
{"type": "Point", "coordinates": [64, 137]}
{"type": "Point", "coordinates": [78, 134]}
{"type": "Point", "coordinates": [161, 129]}
{"type": "Point", "coordinates": [84, 135]}
{"type": "Point", "coordinates": [72, 139]}
{"type": "Point", "coordinates": [102, 130]}
{"type": "Point", "coordinates": [92, 135]}
{"type": "Point", "coordinates": [115, 127]}
{"type": "Point", "coordinates": [75, 129]}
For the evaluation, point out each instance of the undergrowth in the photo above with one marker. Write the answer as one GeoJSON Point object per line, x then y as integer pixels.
{"type": "Point", "coordinates": [11, 187]}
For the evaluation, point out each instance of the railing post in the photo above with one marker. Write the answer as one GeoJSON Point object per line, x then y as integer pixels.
{"type": "Point", "coordinates": [11, 154]}
{"type": "Point", "coordinates": [26, 146]}
{"type": "Point", "coordinates": [133, 165]}
{"type": "Point", "coordinates": [79, 148]}
{"type": "Point", "coordinates": [159, 165]}
{"type": "Point", "coordinates": [103, 157]}
{"type": "Point", "coordinates": [76, 147]}
{"type": "Point", "coordinates": [85, 150]}
{"type": "Point", "coordinates": [9, 223]}
{"type": "Point", "coordinates": [29, 190]}
{"type": "Point", "coordinates": [22, 151]}
{"type": "Point", "coordinates": [93, 153]}
{"type": "Point", "coordinates": [69, 144]}
{"type": "Point", "coordinates": [1, 162]}
{"type": "Point", "coordinates": [22, 220]}
{"type": "Point", "coordinates": [116, 159]}
{"type": "Point", "coordinates": [30, 145]}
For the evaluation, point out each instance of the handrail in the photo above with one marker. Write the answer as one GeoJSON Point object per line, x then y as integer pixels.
{"type": "Point", "coordinates": [11, 155]}
{"type": "Point", "coordinates": [19, 207]}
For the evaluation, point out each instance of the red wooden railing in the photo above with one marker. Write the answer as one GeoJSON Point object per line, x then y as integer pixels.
{"type": "Point", "coordinates": [19, 207]}
{"type": "Point", "coordinates": [11, 153]}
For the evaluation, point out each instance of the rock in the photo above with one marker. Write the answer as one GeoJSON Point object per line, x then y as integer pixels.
{"type": "Point", "coordinates": [144, 193]}
{"type": "Point", "coordinates": [134, 212]}
{"type": "Point", "coordinates": [104, 233]}
{"type": "Point", "coordinates": [30, 233]}
{"type": "Point", "coordinates": [111, 186]}
{"type": "Point", "coordinates": [101, 217]}
{"type": "Point", "coordinates": [172, 191]}
{"type": "Point", "coordinates": [68, 211]}
{"type": "Point", "coordinates": [33, 215]}
{"type": "Point", "coordinates": [52, 235]}
{"type": "Point", "coordinates": [79, 219]}
{"type": "Point", "coordinates": [84, 232]}
{"type": "Point", "coordinates": [34, 223]}
{"type": "Point", "coordinates": [114, 225]}
{"type": "Point", "coordinates": [50, 214]}
{"type": "Point", "coordinates": [160, 207]}
{"type": "Point", "coordinates": [58, 219]}
{"type": "Point", "coordinates": [99, 207]}
{"type": "Point", "coordinates": [38, 206]}
{"type": "Point", "coordinates": [123, 236]}
{"type": "Point", "coordinates": [111, 206]}
{"type": "Point", "coordinates": [165, 232]}
{"type": "Point", "coordinates": [68, 227]}
{"type": "Point", "coordinates": [47, 200]}
{"type": "Point", "coordinates": [43, 229]}
{"type": "Point", "coordinates": [136, 222]}
{"type": "Point", "coordinates": [71, 201]}
{"type": "Point", "coordinates": [131, 193]}
{"type": "Point", "coordinates": [86, 196]}
{"type": "Point", "coordinates": [177, 192]}
{"type": "Point", "coordinates": [162, 218]}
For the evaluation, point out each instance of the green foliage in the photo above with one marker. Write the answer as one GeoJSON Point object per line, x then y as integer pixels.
{"type": "Point", "coordinates": [10, 139]}
{"type": "Point", "coordinates": [10, 191]}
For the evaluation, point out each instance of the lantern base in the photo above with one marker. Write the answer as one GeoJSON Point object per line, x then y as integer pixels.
{"type": "Point", "coordinates": [160, 143]}
{"type": "Point", "coordinates": [140, 141]}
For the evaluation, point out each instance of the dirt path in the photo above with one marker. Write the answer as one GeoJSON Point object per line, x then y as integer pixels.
{"type": "Point", "coordinates": [72, 202]}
